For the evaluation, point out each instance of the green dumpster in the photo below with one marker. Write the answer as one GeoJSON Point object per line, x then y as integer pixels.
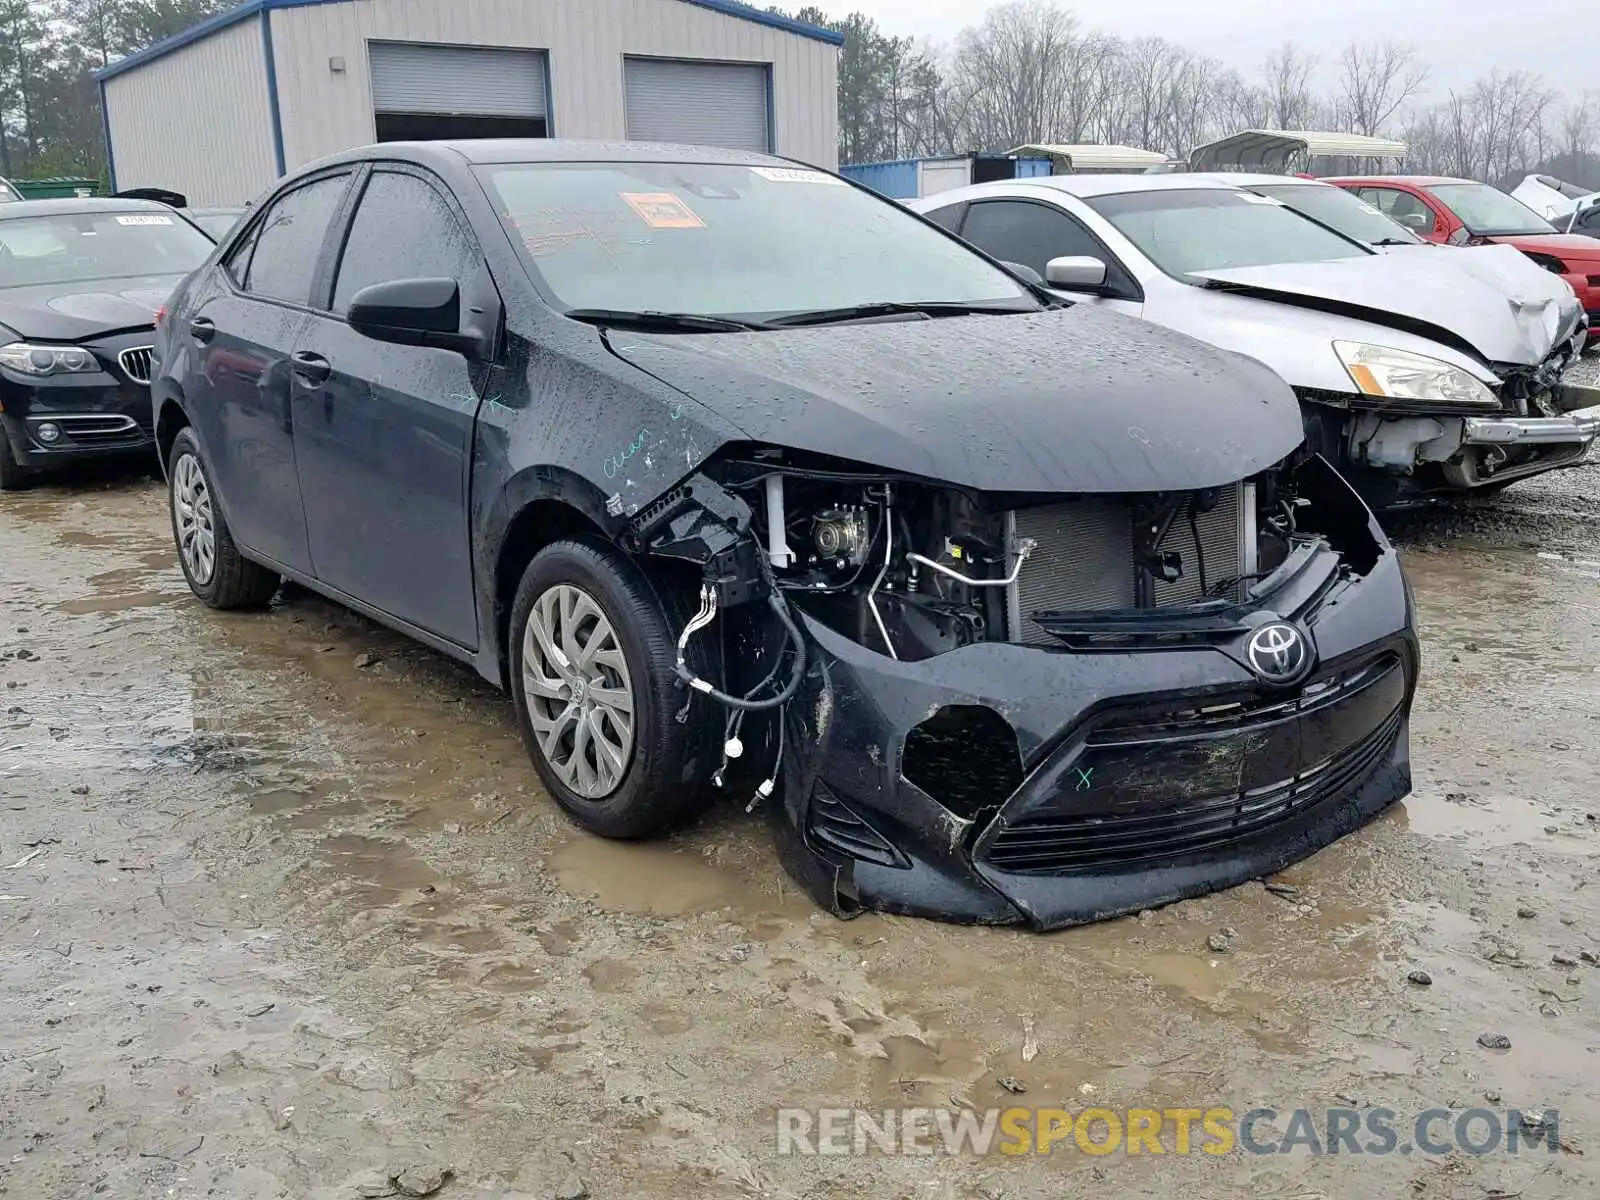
{"type": "Point", "coordinates": [56, 189]}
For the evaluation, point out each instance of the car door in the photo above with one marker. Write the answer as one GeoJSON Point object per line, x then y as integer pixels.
{"type": "Point", "coordinates": [1031, 232]}
{"type": "Point", "coordinates": [383, 432]}
{"type": "Point", "coordinates": [243, 337]}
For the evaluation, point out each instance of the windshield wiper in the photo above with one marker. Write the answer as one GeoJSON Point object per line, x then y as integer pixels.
{"type": "Point", "coordinates": [856, 312]}
{"type": "Point", "coordinates": [665, 322]}
{"type": "Point", "coordinates": [1397, 242]}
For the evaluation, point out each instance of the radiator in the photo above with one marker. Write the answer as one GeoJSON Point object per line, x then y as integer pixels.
{"type": "Point", "coordinates": [1083, 560]}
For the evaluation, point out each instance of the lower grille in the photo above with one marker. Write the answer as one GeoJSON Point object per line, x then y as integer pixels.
{"type": "Point", "coordinates": [1149, 785]}
{"type": "Point", "coordinates": [1084, 558]}
{"type": "Point", "coordinates": [1068, 845]}
{"type": "Point", "coordinates": [136, 363]}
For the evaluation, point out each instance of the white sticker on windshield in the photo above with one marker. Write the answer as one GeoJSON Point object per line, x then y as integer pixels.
{"type": "Point", "coordinates": [1369, 208]}
{"type": "Point", "coordinates": [1255, 199]}
{"type": "Point", "coordinates": [796, 175]}
{"type": "Point", "coordinates": [145, 219]}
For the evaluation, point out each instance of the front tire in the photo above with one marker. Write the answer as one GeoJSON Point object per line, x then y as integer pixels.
{"type": "Point", "coordinates": [592, 656]}
{"type": "Point", "coordinates": [217, 573]}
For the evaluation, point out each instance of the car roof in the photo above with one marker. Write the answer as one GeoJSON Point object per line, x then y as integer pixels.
{"type": "Point", "coordinates": [1413, 180]}
{"type": "Point", "coordinates": [485, 151]}
{"type": "Point", "coordinates": [1112, 185]}
{"type": "Point", "coordinates": [75, 205]}
{"type": "Point", "coordinates": [1248, 179]}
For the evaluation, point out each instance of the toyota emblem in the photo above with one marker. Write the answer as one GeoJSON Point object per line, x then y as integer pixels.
{"type": "Point", "coordinates": [1279, 654]}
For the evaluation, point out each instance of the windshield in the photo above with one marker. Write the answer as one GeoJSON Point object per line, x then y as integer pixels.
{"type": "Point", "coordinates": [1183, 232]}
{"type": "Point", "coordinates": [1570, 190]}
{"type": "Point", "coordinates": [216, 223]}
{"type": "Point", "coordinates": [730, 240]}
{"type": "Point", "coordinates": [1488, 211]}
{"type": "Point", "coordinates": [1347, 213]}
{"type": "Point", "coordinates": [74, 247]}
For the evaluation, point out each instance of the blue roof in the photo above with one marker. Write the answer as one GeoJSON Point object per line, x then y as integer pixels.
{"type": "Point", "coordinates": [250, 8]}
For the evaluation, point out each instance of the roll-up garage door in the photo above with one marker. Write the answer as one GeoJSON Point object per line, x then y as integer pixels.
{"type": "Point", "coordinates": [700, 103]}
{"type": "Point", "coordinates": [409, 77]}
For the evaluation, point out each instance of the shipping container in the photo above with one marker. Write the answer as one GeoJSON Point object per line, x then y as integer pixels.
{"type": "Point", "coordinates": [913, 178]}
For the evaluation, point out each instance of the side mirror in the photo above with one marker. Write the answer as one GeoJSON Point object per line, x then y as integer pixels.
{"type": "Point", "coordinates": [1083, 272]}
{"type": "Point", "coordinates": [1021, 270]}
{"type": "Point", "coordinates": [1414, 220]}
{"type": "Point", "coordinates": [415, 312]}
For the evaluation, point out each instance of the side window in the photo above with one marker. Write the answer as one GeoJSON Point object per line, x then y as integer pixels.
{"type": "Point", "coordinates": [238, 263]}
{"type": "Point", "coordinates": [1020, 231]}
{"type": "Point", "coordinates": [948, 217]}
{"type": "Point", "coordinates": [403, 229]}
{"type": "Point", "coordinates": [288, 241]}
{"type": "Point", "coordinates": [1402, 207]}
{"type": "Point", "coordinates": [1413, 213]}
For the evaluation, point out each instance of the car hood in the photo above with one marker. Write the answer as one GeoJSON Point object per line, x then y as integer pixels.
{"type": "Point", "coordinates": [70, 312]}
{"type": "Point", "coordinates": [1488, 300]}
{"type": "Point", "coordinates": [1064, 400]}
{"type": "Point", "coordinates": [1562, 245]}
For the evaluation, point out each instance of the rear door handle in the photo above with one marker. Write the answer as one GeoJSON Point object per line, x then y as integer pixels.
{"type": "Point", "coordinates": [202, 329]}
{"type": "Point", "coordinates": [313, 368]}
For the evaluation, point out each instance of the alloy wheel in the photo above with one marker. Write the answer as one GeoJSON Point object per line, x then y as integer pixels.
{"type": "Point", "coordinates": [579, 693]}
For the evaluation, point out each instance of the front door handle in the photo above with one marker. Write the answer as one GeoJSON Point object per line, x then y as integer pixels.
{"type": "Point", "coordinates": [202, 329]}
{"type": "Point", "coordinates": [313, 368]}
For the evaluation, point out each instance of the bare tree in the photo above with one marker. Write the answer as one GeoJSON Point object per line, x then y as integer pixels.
{"type": "Point", "coordinates": [1375, 80]}
{"type": "Point", "coordinates": [1286, 77]}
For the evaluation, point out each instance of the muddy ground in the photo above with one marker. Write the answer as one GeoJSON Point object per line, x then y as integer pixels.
{"type": "Point", "coordinates": [272, 921]}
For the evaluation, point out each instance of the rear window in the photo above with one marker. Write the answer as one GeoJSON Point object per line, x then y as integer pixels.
{"type": "Point", "coordinates": [7, 192]}
{"type": "Point", "coordinates": [74, 247]}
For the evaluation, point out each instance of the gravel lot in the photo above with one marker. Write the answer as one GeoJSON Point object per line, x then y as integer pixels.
{"type": "Point", "coordinates": [282, 909]}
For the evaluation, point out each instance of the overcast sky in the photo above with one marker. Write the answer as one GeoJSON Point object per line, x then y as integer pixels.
{"type": "Point", "coordinates": [1460, 39]}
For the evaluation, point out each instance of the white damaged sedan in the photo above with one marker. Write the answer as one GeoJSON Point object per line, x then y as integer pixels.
{"type": "Point", "coordinates": [1421, 375]}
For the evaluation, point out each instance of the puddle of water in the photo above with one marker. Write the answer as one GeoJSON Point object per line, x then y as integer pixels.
{"type": "Point", "coordinates": [114, 604]}
{"type": "Point", "coordinates": [651, 880]}
{"type": "Point", "coordinates": [611, 975]}
{"type": "Point", "coordinates": [1496, 820]}
{"type": "Point", "coordinates": [386, 869]}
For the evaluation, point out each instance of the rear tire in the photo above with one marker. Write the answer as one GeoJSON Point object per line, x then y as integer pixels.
{"type": "Point", "coordinates": [592, 652]}
{"type": "Point", "coordinates": [14, 477]}
{"type": "Point", "coordinates": [217, 573]}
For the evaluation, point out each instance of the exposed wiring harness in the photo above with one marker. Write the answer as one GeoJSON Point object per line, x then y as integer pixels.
{"type": "Point", "coordinates": [752, 700]}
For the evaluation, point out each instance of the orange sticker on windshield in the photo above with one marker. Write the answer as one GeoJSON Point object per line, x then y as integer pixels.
{"type": "Point", "coordinates": [663, 210]}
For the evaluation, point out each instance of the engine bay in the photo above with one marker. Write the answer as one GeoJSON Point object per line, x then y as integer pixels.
{"type": "Point", "coordinates": [911, 569]}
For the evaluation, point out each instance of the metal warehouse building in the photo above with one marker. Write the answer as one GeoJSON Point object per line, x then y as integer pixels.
{"type": "Point", "coordinates": [222, 110]}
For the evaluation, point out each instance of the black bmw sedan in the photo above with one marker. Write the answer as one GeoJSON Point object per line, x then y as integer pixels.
{"type": "Point", "coordinates": [740, 477]}
{"type": "Point", "coordinates": [80, 283]}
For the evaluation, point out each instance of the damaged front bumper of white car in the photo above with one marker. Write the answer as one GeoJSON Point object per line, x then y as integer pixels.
{"type": "Point", "coordinates": [1471, 453]}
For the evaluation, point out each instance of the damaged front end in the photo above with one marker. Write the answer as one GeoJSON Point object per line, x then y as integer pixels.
{"type": "Point", "coordinates": [1043, 709]}
{"type": "Point", "coordinates": [1409, 450]}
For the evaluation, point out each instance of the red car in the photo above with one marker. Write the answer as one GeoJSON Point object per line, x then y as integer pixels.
{"type": "Point", "coordinates": [1463, 212]}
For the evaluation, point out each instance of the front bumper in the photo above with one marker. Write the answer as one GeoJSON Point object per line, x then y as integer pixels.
{"type": "Point", "coordinates": [94, 414]}
{"type": "Point", "coordinates": [1581, 425]}
{"type": "Point", "coordinates": [1138, 777]}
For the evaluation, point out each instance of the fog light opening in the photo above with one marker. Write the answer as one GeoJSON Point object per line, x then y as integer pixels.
{"type": "Point", "coordinates": [966, 757]}
{"type": "Point", "coordinates": [47, 432]}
